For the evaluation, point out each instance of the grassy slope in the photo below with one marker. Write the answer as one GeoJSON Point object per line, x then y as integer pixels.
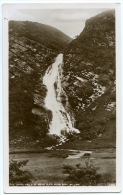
{"type": "Point", "coordinates": [45, 34]}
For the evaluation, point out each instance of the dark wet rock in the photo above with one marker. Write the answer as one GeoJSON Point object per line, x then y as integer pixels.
{"type": "Point", "coordinates": [86, 154]}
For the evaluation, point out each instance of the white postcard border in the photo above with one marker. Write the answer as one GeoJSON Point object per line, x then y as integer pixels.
{"type": "Point", "coordinates": [62, 189]}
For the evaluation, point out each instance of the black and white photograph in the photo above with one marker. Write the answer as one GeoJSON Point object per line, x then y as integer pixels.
{"type": "Point", "coordinates": [62, 128]}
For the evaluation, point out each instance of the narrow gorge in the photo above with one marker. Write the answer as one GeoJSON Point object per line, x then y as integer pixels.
{"type": "Point", "coordinates": [59, 85]}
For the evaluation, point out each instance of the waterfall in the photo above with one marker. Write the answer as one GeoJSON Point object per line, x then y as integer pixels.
{"type": "Point", "coordinates": [61, 121]}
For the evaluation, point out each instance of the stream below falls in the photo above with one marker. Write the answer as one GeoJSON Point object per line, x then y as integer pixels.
{"type": "Point", "coordinates": [62, 121]}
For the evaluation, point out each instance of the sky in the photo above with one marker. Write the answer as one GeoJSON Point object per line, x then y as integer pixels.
{"type": "Point", "coordinates": [69, 21]}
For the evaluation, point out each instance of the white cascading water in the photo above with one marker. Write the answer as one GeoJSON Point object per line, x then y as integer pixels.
{"type": "Point", "coordinates": [61, 120]}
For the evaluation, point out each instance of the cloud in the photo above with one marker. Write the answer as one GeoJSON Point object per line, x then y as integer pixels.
{"type": "Point", "coordinates": [80, 16]}
{"type": "Point", "coordinates": [18, 15]}
{"type": "Point", "coordinates": [69, 21]}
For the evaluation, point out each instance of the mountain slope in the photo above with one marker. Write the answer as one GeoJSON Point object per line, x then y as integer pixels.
{"type": "Point", "coordinates": [32, 48]}
{"type": "Point", "coordinates": [45, 34]}
{"type": "Point", "coordinates": [89, 79]}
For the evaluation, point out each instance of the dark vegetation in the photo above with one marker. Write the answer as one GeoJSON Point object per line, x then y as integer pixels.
{"type": "Point", "coordinates": [17, 176]}
{"type": "Point", "coordinates": [87, 175]}
{"type": "Point", "coordinates": [45, 35]}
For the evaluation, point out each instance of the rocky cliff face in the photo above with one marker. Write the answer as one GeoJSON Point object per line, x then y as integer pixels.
{"type": "Point", "coordinates": [89, 77]}
{"type": "Point", "coordinates": [32, 48]}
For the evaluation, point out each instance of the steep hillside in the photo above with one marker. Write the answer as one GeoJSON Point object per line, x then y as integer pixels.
{"type": "Point", "coordinates": [44, 34]}
{"type": "Point", "coordinates": [32, 48]}
{"type": "Point", "coordinates": [89, 79]}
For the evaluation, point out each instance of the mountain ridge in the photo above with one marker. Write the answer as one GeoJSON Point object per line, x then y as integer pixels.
{"type": "Point", "coordinates": [25, 27]}
{"type": "Point", "coordinates": [89, 80]}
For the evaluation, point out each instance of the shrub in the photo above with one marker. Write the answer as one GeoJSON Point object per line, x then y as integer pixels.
{"type": "Point", "coordinates": [84, 91]}
{"type": "Point", "coordinates": [82, 126]}
{"type": "Point", "coordinates": [102, 121]}
{"type": "Point", "coordinates": [89, 90]}
{"type": "Point", "coordinates": [113, 115]}
{"type": "Point", "coordinates": [104, 79]}
{"type": "Point", "coordinates": [99, 128]}
{"type": "Point", "coordinates": [50, 140]}
{"type": "Point", "coordinates": [85, 176]}
{"type": "Point", "coordinates": [113, 96]}
{"type": "Point", "coordinates": [41, 127]}
{"type": "Point", "coordinates": [18, 176]}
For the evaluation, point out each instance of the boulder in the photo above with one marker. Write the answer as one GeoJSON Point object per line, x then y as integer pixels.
{"type": "Point", "coordinates": [87, 154]}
